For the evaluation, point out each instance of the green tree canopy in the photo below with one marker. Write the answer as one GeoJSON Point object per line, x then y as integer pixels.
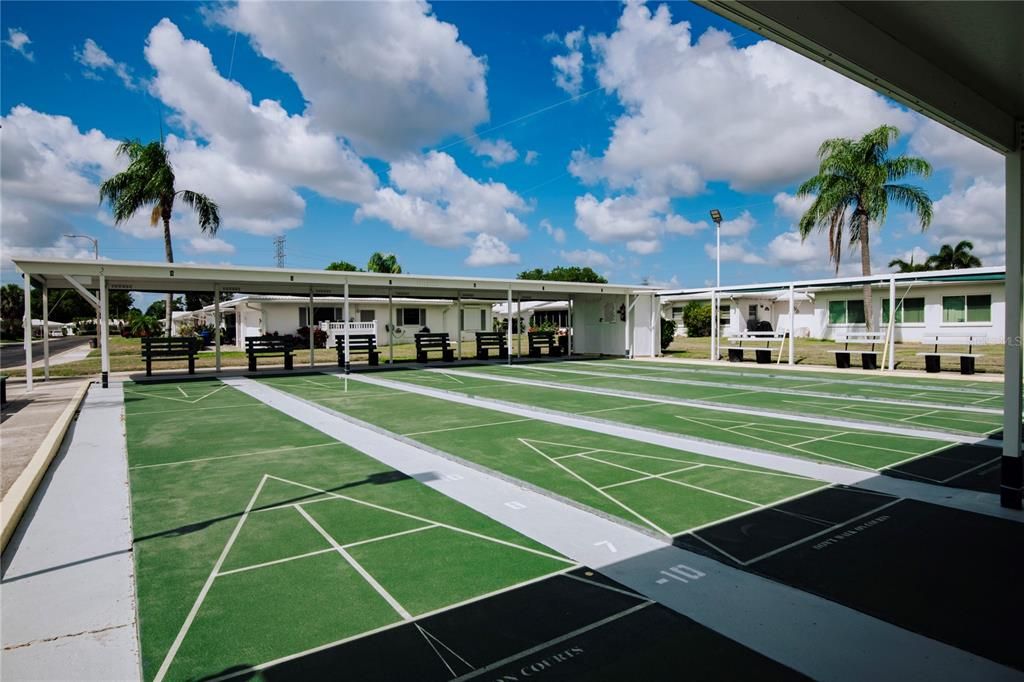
{"type": "Point", "coordinates": [342, 266]}
{"type": "Point", "coordinates": [157, 308]}
{"type": "Point", "coordinates": [956, 257]}
{"type": "Point", "coordinates": [562, 273]}
{"type": "Point", "coordinates": [148, 182]}
{"type": "Point", "coordinates": [384, 262]}
{"type": "Point", "coordinates": [856, 181]}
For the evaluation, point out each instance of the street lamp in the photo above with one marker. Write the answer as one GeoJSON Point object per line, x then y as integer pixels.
{"type": "Point", "coordinates": [94, 240]}
{"type": "Point", "coordinates": [716, 217]}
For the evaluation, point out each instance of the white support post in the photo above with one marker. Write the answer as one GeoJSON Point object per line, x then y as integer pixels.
{"type": "Point", "coordinates": [1012, 485]}
{"type": "Point", "coordinates": [570, 321]}
{"type": "Point", "coordinates": [46, 333]}
{"type": "Point", "coordinates": [519, 326]}
{"type": "Point", "coordinates": [714, 325]}
{"type": "Point", "coordinates": [27, 332]}
{"type": "Point", "coordinates": [792, 324]}
{"type": "Point", "coordinates": [892, 324]}
{"type": "Point", "coordinates": [459, 341]}
{"type": "Point", "coordinates": [508, 324]}
{"type": "Point", "coordinates": [391, 329]}
{"type": "Point", "coordinates": [655, 326]}
{"type": "Point", "coordinates": [348, 354]}
{"type": "Point", "coordinates": [216, 326]}
{"type": "Point", "coordinates": [310, 326]}
{"type": "Point", "coordinates": [629, 354]}
{"type": "Point", "coordinates": [104, 331]}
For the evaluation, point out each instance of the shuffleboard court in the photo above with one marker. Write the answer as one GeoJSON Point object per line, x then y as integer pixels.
{"type": "Point", "coordinates": [259, 539]}
{"type": "Point", "coordinates": [661, 490]}
{"type": "Point", "coordinates": [881, 387]}
{"type": "Point", "coordinates": [860, 448]}
{"type": "Point", "coordinates": [880, 411]}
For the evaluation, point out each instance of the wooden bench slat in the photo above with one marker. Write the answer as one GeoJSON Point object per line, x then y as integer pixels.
{"type": "Point", "coordinates": [433, 341]}
{"type": "Point", "coordinates": [159, 348]}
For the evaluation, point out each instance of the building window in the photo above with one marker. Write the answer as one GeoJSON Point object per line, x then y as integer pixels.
{"type": "Point", "coordinates": [470, 317]}
{"type": "Point", "coordinates": [367, 315]}
{"type": "Point", "coordinates": [677, 313]}
{"type": "Point", "coordinates": [908, 311]}
{"type": "Point", "coordinates": [483, 319]}
{"type": "Point", "coordinates": [960, 309]}
{"type": "Point", "coordinates": [724, 311]}
{"type": "Point", "coordinates": [412, 317]}
{"type": "Point", "coordinates": [846, 312]}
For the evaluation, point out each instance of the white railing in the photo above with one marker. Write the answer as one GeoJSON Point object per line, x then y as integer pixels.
{"type": "Point", "coordinates": [336, 329]}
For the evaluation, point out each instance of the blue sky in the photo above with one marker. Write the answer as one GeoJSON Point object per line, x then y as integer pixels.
{"type": "Point", "coordinates": [465, 137]}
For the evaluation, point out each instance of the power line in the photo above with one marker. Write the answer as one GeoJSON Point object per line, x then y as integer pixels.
{"type": "Point", "coordinates": [279, 250]}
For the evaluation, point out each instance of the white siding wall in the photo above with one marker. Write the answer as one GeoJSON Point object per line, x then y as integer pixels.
{"type": "Point", "coordinates": [597, 327]}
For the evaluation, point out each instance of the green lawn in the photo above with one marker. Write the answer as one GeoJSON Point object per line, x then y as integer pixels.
{"type": "Point", "coordinates": [651, 486]}
{"type": "Point", "coordinates": [816, 352]}
{"type": "Point", "coordinates": [249, 527]}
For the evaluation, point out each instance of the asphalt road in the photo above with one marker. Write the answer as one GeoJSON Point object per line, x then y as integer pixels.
{"type": "Point", "coordinates": [13, 355]}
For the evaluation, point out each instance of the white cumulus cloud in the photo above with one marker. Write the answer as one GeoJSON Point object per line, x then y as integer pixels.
{"type": "Point", "coordinates": [556, 233]}
{"type": "Point", "coordinates": [489, 250]}
{"type": "Point", "coordinates": [19, 41]}
{"type": "Point", "coordinates": [497, 152]}
{"type": "Point", "coordinates": [589, 257]}
{"type": "Point", "coordinates": [569, 66]}
{"type": "Point", "coordinates": [95, 59]}
{"type": "Point", "coordinates": [389, 76]}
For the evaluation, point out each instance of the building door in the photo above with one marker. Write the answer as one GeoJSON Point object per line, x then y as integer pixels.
{"type": "Point", "coordinates": [367, 315]}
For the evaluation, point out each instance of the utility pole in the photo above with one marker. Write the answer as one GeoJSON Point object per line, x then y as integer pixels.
{"type": "Point", "coordinates": [279, 250]}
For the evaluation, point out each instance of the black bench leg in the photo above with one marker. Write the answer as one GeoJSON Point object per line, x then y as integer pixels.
{"type": "Point", "coordinates": [287, 360]}
{"type": "Point", "coordinates": [421, 356]}
{"type": "Point", "coordinates": [341, 359]}
{"type": "Point", "coordinates": [149, 367]}
{"type": "Point", "coordinates": [764, 356]}
{"type": "Point", "coordinates": [482, 353]}
{"type": "Point", "coordinates": [931, 364]}
{"type": "Point", "coordinates": [966, 364]}
{"type": "Point", "coordinates": [869, 360]}
{"type": "Point", "coordinates": [735, 355]}
{"type": "Point", "coordinates": [252, 362]}
{"type": "Point", "coordinates": [448, 355]}
{"type": "Point", "coordinates": [191, 364]}
{"type": "Point", "coordinates": [842, 360]}
{"type": "Point", "coordinates": [374, 359]}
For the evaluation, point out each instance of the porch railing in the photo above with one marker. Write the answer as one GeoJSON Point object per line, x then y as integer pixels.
{"type": "Point", "coordinates": [337, 329]}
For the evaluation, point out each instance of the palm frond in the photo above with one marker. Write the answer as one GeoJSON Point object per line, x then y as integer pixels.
{"type": "Point", "coordinates": [206, 209]}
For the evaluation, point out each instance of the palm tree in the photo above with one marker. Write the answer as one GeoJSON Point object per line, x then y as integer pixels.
{"type": "Point", "coordinates": [380, 262]}
{"type": "Point", "coordinates": [149, 182]}
{"type": "Point", "coordinates": [954, 257]}
{"type": "Point", "coordinates": [904, 266]}
{"type": "Point", "coordinates": [856, 180]}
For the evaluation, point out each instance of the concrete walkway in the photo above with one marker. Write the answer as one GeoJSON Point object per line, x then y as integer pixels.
{"type": "Point", "coordinates": [26, 419]}
{"type": "Point", "coordinates": [812, 635]}
{"type": "Point", "coordinates": [67, 577]}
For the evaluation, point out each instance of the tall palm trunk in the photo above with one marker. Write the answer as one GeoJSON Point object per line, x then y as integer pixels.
{"type": "Point", "coordinates": [169, 251]}
{"type": "Point", "coordinates": [865, 267]}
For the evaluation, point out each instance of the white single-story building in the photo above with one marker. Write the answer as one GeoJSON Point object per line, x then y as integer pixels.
{"type": "Point", "coordinates": [257, 315]}
{"type": "Point", "coordinates": [953, 302]}
{"type": "Point", "coordinates": [534, 313]}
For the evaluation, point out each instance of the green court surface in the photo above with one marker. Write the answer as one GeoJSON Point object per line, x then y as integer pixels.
{"type": "Point", "coordinates": [660, 489]}
{"type": "Point", "coordinates": [834, 445]}
{"type": "Point", "coordinates": [257, 537]}
{"type": "Point", "coordinates": [874, 410]}
{"type": "Point", "coordinates": [953, 392]}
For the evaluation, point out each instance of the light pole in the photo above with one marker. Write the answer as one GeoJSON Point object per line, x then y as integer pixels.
{"type": "Point", "coordinates": [96, 255]}
{"type": "Point", "coordinates": [716, 216]}
{"type": "Point", "coordinates": [94, 240]}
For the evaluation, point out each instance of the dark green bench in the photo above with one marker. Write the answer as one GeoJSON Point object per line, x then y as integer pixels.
{"type": "Point", "coordinates": [359, 343]}
{"type": "Point", "coordinates": [486, 341]}
{"type": "Point", "coordinates": [157, 348]}
{"type": "Point", "coordinates": [427, 342]}
{"type": "Point", "coordinates": [540, 340]}
{"type": "Point", "coordinates": [268, 345]}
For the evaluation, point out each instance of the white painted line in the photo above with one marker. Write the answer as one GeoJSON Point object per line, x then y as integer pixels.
{"type": "Point", "coordinates": [368, 541]}
{"type": "Point", "coordinates": [276, 451]}
{"type": "Point", "coordinates": [556, 640]}
{"type": "Point", "coordinates": [275, 562]}
{"type": "Point", "coordinates": [606, 543]}
{"type": "Point", "coordinates": [598, 490]}
{"type": "Point", "coordinates": [649, 477]}
{"type": "Point", "coordinates": [515, 505]}
{"type": "Point", "coordinates": [358, 568]}
{"type": "Point", "coordinates": [468, 426]}
{"type": "Point", "coordinates": [180, 637]}
{"type": "Point", "coordinates": [183, 391]}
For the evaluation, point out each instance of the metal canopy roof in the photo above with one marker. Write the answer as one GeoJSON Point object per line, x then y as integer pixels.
{"type": "Point", "coordinates": [995, 273]}
{"type": "Point", "coordinates": [179, 278]}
